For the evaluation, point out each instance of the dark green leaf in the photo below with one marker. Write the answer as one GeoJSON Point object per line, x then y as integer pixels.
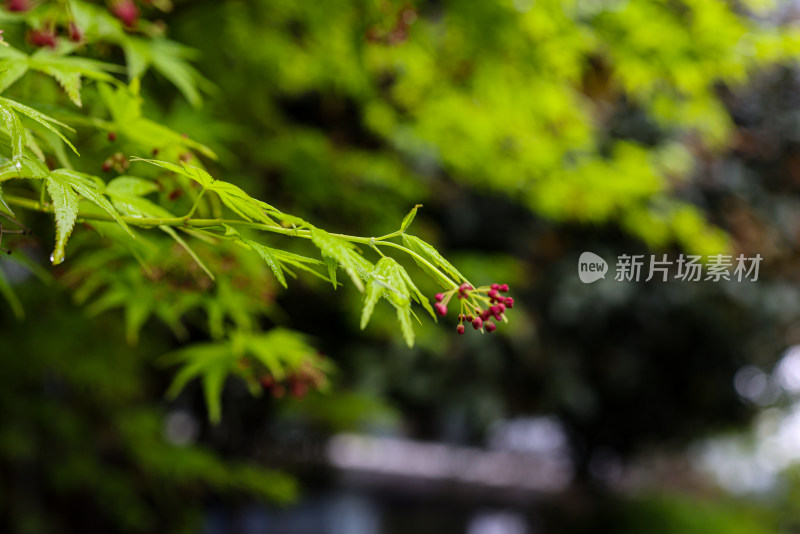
{"type": "Point", "coordinates": [137, 310]}
{"type": "Point", "coordinates": [213, 383]}
{"type": "Point", "coordinates": [11, 297]}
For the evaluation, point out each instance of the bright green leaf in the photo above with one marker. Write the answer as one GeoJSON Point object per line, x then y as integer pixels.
{"type": "Point", "coordinates": [332, 268]}
{"type": "Point", "coordinates": [11, 70]}
{"type": "Point", "coordinates": [408, 219]}
{"type": "Point", "coordinates": [4, 208]}
{"type": "Point", "coordinates": [15, 131]}
{"type": "Point", "coordinates": [41, 118]}
{"type": "Point", "coordinates": [130, 186]}
{"type": "Point", "coordinates": [65, 207]}
{"type": "Point", "coordinates": [267, 255]}
{"type": "Point", "coordinates": [342, 251]}
{"type": "Point", "coordinates": [388, 281]}
{"type": "Point", "coordinates": [428, 252]}
{"type": "Point", "coordinates": [90, 188]}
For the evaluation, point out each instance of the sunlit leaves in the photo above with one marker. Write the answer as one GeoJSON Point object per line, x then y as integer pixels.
{"type": "Point", "coordinates": [514, 99]}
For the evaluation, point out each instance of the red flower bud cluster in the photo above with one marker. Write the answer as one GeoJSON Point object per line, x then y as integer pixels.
{"type": "Point", "coordinates": [399, 30]}
{"type": "Point", "coordinates": [117, 161]}
{"type": "Point", "coordinates": [18, 5]}
{"type": "Point", "coordinates": [297, 383]}
{"type": "Point", "coordinates": [479, 306]}
{"type": "Point", "coordinates": [47, 35]}
{"type": "Point", "coordinates": [42, 37]}
{"type": "Point", "coordinates": [75, 33]}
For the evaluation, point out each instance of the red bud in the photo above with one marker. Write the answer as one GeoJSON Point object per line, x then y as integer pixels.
{"type": "Point", "coordinates": [126, 11]}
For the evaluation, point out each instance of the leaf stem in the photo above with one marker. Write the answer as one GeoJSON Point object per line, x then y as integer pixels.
{"type": "Point", "coordinates": [30, 204]}
{"type": "Point", "coordinates": [194, 206]}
